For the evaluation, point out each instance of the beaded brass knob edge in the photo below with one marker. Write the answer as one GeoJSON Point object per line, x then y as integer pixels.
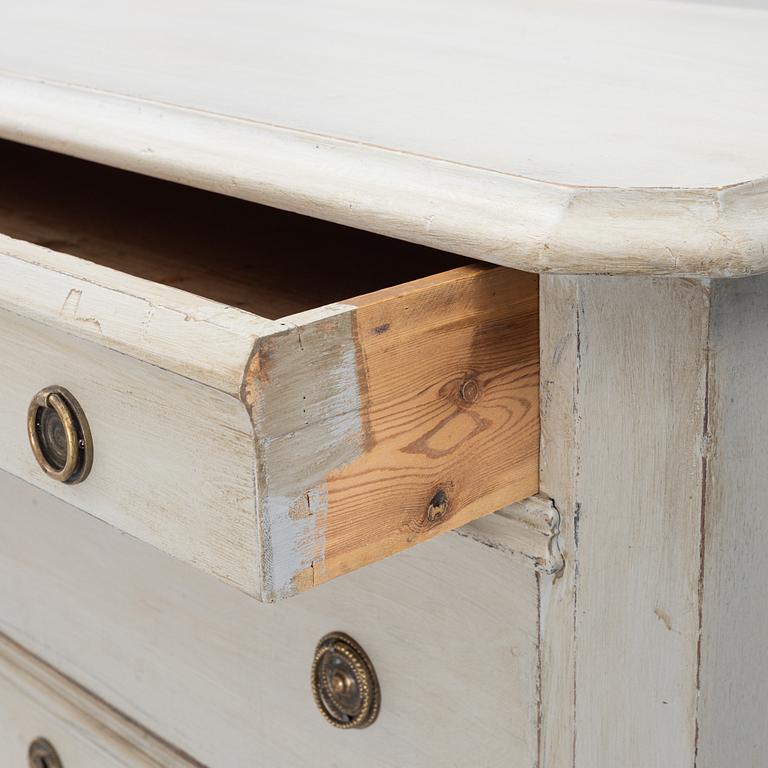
{"type": "Point", "coordinates": [41, 754]}
{"type": "Point", "coordinates": [344, 683]}
{"type": "Point", "coordinates": [59, 435]}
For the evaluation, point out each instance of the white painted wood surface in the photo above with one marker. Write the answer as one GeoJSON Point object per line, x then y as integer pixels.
{"type": "Point", "coordinates": [640, 443]}
{"type": "Point", "coordinates": [571, 137]}
{"type": "Point", "coordinates": [451, 627]}
{"type": "Point", "coordinates": [734, 643]}
{"type": "Point", "coordinates": [520, 87]}
{"type": "Point", "coordinates": [174, 330]}
{"type": "Point", "coordinates": [560, 353]}
{"type": "Point", "coordinates": [624, 367]}
{"type": "Point", "coordinates": [158, 372]}
{"type": "Point", "coordinates": [173, 458]}
{"type": "Point", "coordinates": [653, 449]}
{"type": "Point", "coordinates": [530, 528]}
{"type": "Point", "coordinates": [38, 702]}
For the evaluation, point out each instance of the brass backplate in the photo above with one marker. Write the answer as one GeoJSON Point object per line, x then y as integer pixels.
{"type": "Point", "coordinates": [344, 683]}
{"type": "Point", "coordinates": [59, 435]}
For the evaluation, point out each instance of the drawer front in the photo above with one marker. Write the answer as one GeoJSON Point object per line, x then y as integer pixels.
{"type": "Point", "coordinates": [277, 455]}
{"type": "Point", "coordinates": [450, 627]}
{"type": "Point", "coordinates": [172, 459]}
{"type": "Point", "coordinates": [47, 721]}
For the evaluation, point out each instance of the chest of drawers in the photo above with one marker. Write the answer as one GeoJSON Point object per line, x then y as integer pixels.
{"type": "Point", "coordinates": [394, 368]}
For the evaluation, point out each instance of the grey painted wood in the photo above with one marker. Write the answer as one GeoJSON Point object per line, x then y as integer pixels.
{"type": "Point", "coordinates": [451, 627]}
{"type": "Point", "coordinates": [654, 451]}
{"type": "Point", "coordinates": [734, 641]}
{"type": "Point", "coordinates": [560, 352]}
{"type": "Point", "coordinates": [641, 436]}
{"type": "Point", "coordinates": [38, 702]}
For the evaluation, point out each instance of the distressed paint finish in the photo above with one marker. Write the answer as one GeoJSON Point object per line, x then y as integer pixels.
{"type": "Point", "coordinates": [220, 675]}
{"type": "Point", "coordinates": [173, 461]}
{"type": "Point", "coordinates": [734, 643]}
{"type": "Point", "coordinates": [560, 355]}
{"type": "Point", "coordinates": [641, 439]}
{"type": "Point", "coordinates": [174, 330]}
{"type": "Point", "coordinates": [500, 218]}
{"type": "Point", "coordinates": [36, 701]}
{"type": "Point", "coordinates": [305, 402]}
{"type": "Point", "coordinates": [277, 454]}
{"type": "Point", "coordinates": [653, 450]}
{"type": "Point", "coordinates": [367, 412]}
{"type": "Point", "coordinates": [530, 528]}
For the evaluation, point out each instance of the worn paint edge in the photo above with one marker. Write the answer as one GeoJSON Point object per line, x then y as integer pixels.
{"type": "Point", "coordinates": [530, 224]}
{"type": "Point", "coordinates": [303, 390]}
{"type": "Point", "coordinates": [560, 354]}
{"type": "Point", "coordinates": [53, 690]}
{"type": "Point", "coordinates": [179, 332]}
{"type": "Point", "coordinates": [530, 528]}
{"type": "Point", "coordinates": [706, 486]}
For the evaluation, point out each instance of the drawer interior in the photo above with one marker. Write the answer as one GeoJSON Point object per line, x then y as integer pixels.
{"type": "Point", "coordinates": [263, 260]}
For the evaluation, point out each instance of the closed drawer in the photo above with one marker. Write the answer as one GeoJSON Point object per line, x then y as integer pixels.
{"type": "Point", "coordinates": [259, 423]}
{"type": "Point", "coordinates": [47, 721]}
{"type": "Point", "coordinates": [451, 627]}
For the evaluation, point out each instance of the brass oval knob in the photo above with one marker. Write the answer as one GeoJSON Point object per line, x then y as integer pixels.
{"type": "Point", "coordinates": [344, 683]}
{"type": "Point", "coordinates": [41, 754]}
{"type": "Point", "coordinates": [59, 435]}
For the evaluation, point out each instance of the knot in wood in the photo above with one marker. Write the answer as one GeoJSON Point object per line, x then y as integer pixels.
{"type": "Point", "coordinates": [438, 507]}
{"type": "Point", "coordinates": [470, 390]}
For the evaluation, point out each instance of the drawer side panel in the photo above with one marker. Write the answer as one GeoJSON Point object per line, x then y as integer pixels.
{"type": "Point", "coordinates": [394, 417]}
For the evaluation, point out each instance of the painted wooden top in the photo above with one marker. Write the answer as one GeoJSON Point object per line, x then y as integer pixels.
{"type": "Point", "coordinates": [589, 136]}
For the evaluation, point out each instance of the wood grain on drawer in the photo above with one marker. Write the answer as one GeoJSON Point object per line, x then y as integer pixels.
{"type": "Point", "coordinates": [451, 627]}
{"type": "Point", "coordinates": [274, 453]}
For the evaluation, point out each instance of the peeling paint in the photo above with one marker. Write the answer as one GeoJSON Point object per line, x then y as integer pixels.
{"type": "Point", "coordinates": [305, 401]}
{"type": "Point", "coordinates": [70, 309]}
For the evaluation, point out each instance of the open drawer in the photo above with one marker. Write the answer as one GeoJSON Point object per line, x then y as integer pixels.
{"type": "Point", "coordinates": [245, 414]}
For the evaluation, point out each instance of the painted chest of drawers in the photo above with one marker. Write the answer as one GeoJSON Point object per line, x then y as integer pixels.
{"type": "Point", "coordinates": [396, 369]}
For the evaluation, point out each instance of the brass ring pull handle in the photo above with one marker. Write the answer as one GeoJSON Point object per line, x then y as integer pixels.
{"type": "Point", "coordinates": [344, 683]}
{"type": "Point", "coordinates": [59, 435]}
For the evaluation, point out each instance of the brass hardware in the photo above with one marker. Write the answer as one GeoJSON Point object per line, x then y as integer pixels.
{"type": "Point", "coordinates": [59, 435]}
{"type": "Point", "coordinates": [344, 683]}
{"type": "Point", "coordinates": [41, 754]}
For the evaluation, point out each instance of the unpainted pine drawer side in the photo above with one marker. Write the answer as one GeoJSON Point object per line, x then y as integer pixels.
{"type": "Point", "coordinates": [415, 410]}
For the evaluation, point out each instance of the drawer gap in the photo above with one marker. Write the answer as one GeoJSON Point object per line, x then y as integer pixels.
{"type": "Point", "coordinates": [263, 260]}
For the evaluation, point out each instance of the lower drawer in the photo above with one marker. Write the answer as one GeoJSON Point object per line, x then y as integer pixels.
{"type": "Point", "coordinates": [46, 721]}
{"type": "Point", "coordinates": [450, 626]}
